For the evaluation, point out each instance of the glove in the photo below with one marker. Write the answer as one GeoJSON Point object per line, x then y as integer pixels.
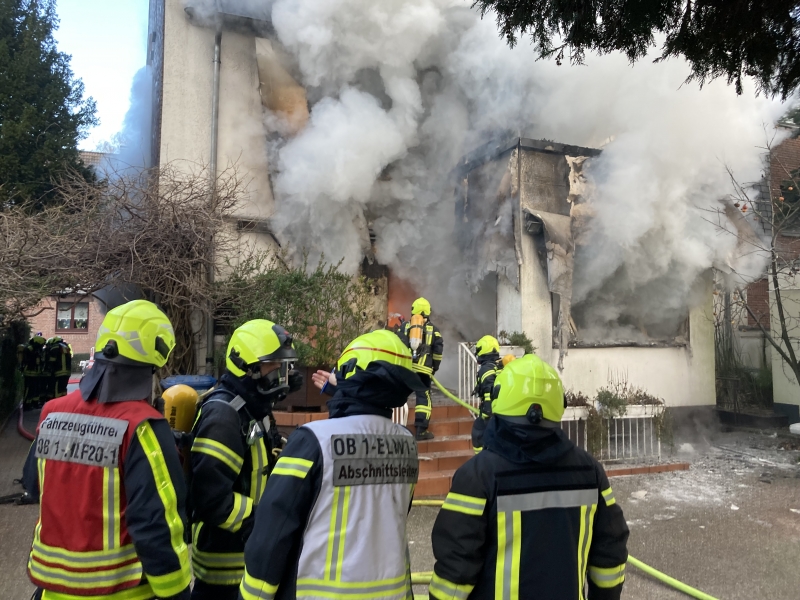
{"type": "Point", "coordinates": [486, 409]}
{"type": "Point", "coordinates": [295, 380]}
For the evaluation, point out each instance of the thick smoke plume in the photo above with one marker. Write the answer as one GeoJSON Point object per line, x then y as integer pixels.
{"type": "Point", "coordinates": [401, 89]}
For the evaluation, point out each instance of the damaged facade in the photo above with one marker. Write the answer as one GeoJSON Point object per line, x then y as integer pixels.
{"type": "Point", "coordinates": [523, 215]}
{"type": "Point", "coordinates": [520, 207]}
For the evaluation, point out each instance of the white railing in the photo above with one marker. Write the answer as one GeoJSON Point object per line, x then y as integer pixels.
{"type": "Point", "coordinates": [631, 436]}
{"type": "Point", "coordinates": [400, 415]}
{"type": "Point", "coordinates": [468, 369]}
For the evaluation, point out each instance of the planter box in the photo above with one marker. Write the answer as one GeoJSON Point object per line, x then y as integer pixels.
{"type": "Point", "coordinates": [579, 413]}
{"type": "Point", "coordinates": [307, 397]}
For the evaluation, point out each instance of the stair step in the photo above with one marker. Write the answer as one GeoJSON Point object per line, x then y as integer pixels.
{"type": "Point", "coordinates": [441, 412]}
{"type": "Point", "coordinates": [451, 426]}
{"type": "Point", "coordinates": [433, 483]}
{"type": "Point", "coordinates": [446, 443]}
{"type": "Point", "coordinates": [444, 461]}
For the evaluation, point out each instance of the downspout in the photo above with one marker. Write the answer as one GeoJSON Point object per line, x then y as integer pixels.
{"type": "Point", "coordinates": [213, 183]}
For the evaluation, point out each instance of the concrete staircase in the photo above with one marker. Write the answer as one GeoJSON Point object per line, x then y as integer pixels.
{"type": "Point", "coordinates": [438, 458]}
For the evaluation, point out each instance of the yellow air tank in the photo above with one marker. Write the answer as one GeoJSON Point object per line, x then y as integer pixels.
{"type": "Point", "coordinates": [180, 407]}
{"type": "Point", "coordinates": [415, 332]}
{"type": "Point", "coordinates": [508, 358]}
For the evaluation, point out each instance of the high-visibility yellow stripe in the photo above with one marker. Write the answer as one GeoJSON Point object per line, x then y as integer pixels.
{"type": "Point", "coordinates": [81, 560]}
{"type": "Point", "coordinates": [500, 567]}
{"type": "Point", "coordinates": [516, 548]}
{"type": "Point", "coordinates": [218, 560]}
{"type": "Point", "coordinates": [447, 590]}
{"type": "Point", "coordinates": [469, 505]}
{"type": "Point", "coordinates": [295, 467]}
{"type": "Point", "coordinates": [258, 475]}
{"type": "Point", "coordinates": [174, 580]}
{"type": "Point", "coordinates": [607, 578]}
{"type": "Point", "coordinates": [361, 590]}
{"type": "Point", "coordinates": [253, 588]}
{"type": "Point", "coordinates": [422, 408]}
{"type": "Point", "coordinates": [219, 451]}
{"type": "Point", "coordinates": [343, 531]}
{"type": "Point", "coordinates": [166, 492]}
{"type": "Point", "coordinates": [140, 592]}
{"type": "Point", "coordinates": [218, 576]}
{"type": "Point", "coordinates": [608, 496]}
{"type": "Point", "coordinates": [584, 543]}
{"type": "Point", "coordinates": [111, 509]}
{"type": "Point", "coordinates": [85, 580]}
{"type": "Point", "coordinates": [242, 508]}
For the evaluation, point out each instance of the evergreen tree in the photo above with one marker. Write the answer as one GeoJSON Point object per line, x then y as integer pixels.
{"type": "Point", "coordinates": [43, 114]}
{"type": "Point", "coordinates": [719, 38]}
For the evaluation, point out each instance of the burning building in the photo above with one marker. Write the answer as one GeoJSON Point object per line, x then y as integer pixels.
{"type": "Point", "coordinates": [406, 138]}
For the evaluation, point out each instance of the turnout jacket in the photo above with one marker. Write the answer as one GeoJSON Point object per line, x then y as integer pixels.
{"type": "Point", "coordinates": [229, 469]}
{"type": "Point", "coordinates": [112, 503]}
{"type": "Point", "coordinates": [429, 354]}
{"type": "Point", "coordinates": [531, 517]}
{"type": "Point", "coordinates": [332, 522]}
{"type": "Point", "coordinates": [487, 373]}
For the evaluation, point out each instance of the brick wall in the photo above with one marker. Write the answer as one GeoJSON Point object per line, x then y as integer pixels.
{"type": "Point", "coordinates": [758, 301]}
{"type": "Point", "coordinates": [45, 321]}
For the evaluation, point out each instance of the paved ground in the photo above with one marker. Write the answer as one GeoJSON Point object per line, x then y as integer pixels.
{"type": "Point", "coordinates": [729, 526]}
{"type": "Point", "coordinates": [16, 522]}
{"type": "Point", "coordinates": [726, 526]}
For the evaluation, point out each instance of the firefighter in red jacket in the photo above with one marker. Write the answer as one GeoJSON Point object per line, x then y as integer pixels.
{"type": "Point", "coordinates": [112, 514]}
{"type": "Point", "coordinates": [532, 515]}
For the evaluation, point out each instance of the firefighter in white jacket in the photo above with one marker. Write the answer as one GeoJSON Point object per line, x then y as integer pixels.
{"type": "Point", "coordinates": [332, 521]}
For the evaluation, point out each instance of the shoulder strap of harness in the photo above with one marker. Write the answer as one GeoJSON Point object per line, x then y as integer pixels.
{"type": "Point", "coordinates": [236, 403]}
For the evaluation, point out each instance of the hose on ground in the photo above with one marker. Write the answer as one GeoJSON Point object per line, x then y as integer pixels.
{"type": "Point", "coordinates": [424, 578]}
{"type": "Point", "coordinates": [454, 398]}
{"type": "Point", "coordinates": [20, 428]}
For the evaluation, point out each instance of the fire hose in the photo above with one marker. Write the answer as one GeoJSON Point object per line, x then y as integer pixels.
{"type": "Point", "coordinates": [424, 578]}
{"type": "Point", "coordinates": [20, 427]}
{"type": "Point", "coordinates": [453, 397]}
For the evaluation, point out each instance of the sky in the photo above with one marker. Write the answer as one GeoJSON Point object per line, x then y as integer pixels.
{"type": "Point", "coordinates": [107, 40]}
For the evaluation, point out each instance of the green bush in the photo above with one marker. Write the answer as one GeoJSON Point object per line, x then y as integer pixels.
{"type": "Point", "coordinates": [323, 308]}
{"type": "Point", "coordinates": [517, 338]}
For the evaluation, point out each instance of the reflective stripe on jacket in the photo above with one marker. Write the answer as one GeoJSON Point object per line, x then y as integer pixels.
{"type": "Point", "coordinates": [227, 482]}
{"type": "Point", "coordinates": [429, 354]}
{"type": "Point", "coordinates": [332, 523]}
{"type": "Point", "coordinates": [548, 529]}
{"type": "Point", "coordinates": [112, 515]}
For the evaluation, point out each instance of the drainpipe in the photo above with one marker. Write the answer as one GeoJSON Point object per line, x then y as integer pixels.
{"type": "Point", "coordinates": [213, 183]}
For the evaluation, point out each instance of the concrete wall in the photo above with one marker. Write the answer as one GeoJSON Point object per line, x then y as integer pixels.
{"type": "Point", "coordinates": [785, 388]}
{"type": "Point", "coordinates": [681, 376]}
{"type": "Point", "coordinates": [186, 106]}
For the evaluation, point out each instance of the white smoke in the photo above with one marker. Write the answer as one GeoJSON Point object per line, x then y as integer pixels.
{"type": "Point", "coordinates": [401, 89]}
{"type": "Point", "coordinates": [130, 148]}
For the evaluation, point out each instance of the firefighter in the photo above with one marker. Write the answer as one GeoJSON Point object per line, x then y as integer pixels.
{"type": "Point", "coordinates": [426, 361]}
{"type": "Point", "coordinates": [33, 371]}
{"type": "Point", "coordinates": [58, 366]}
{"type": "Point", "coordinates": [332, 522]}
{"type": "Point", "coordinates": [112, 513]}
{"type": "Point", "coordinates": [532, 516]}
{"type": "Point", "coordinates": [487, 351]}
{"type": "Point", "coordinates": [235, 443]}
